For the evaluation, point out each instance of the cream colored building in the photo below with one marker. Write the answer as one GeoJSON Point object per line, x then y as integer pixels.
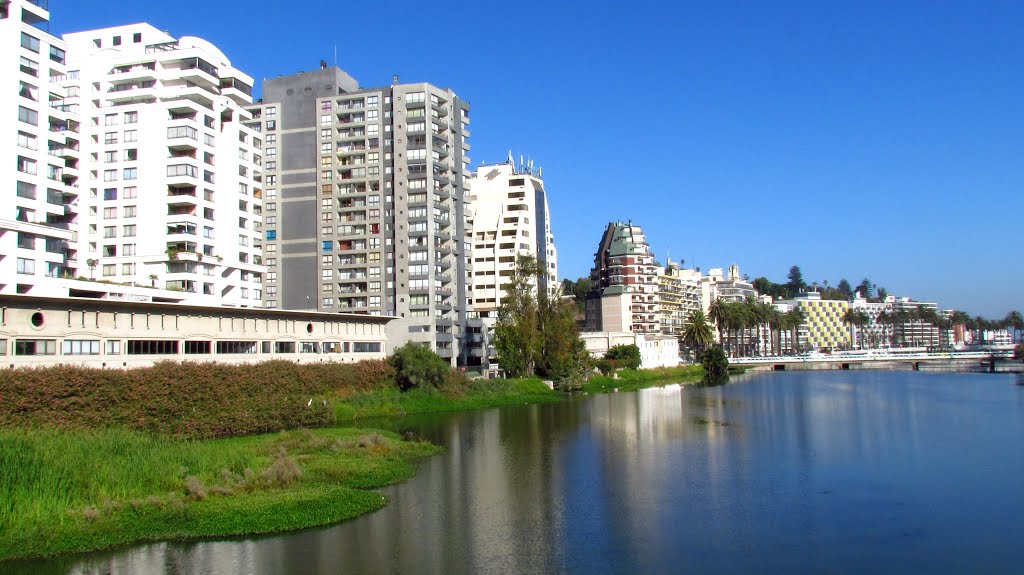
{"type": "Point", "coordinates": [41, 331]}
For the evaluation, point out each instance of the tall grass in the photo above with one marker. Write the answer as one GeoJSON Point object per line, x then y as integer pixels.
{"type": "Point", "coordinates": [630, 379]}
{"type": "Point", "coordinates": [476, 394]}
{"type": "Point", "coordinates": [76, 490]}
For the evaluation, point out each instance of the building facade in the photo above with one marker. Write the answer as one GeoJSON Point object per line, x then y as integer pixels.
{"type": "Point", "coordinates": [679, 295]}
{"type": "Point", "coordinates": [510, 216]}
{"type": "Point", "coordinates": [42, 151]}
{"type": "Point", "coordinates": [133, 167]}
{"type": "Point", "coordinates": [625, 296]}
{"type": "Point", "coordinates": [367, 203]}
{"type": "Point", "coordinates": [823, 321]}
{"type": "Point", "coordinates": [172, 176]}
{"type": "Point", "coordinates": [42, 331]}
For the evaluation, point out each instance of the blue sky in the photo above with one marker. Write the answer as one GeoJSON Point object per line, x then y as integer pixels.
{"type": "Point", "coordinates": [878, 139]}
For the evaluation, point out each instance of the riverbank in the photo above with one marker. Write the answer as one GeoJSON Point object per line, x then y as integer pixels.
{"type": "Point", "coordinates": [69, 491]}
{"type": "Point", "coordinates": [630, 380]}
{"type": "Point", "coordinates": [91, 459]}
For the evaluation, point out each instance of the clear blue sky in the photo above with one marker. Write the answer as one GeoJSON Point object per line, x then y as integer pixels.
{"type": "Point", "coordinates": [879, 139]}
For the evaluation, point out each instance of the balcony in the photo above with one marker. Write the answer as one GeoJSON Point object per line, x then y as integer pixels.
{"type": "Point", "coordinates": [134, 73]}
{"type": "Point", "coordinates": [237, 90]}
{"type": "Point", "coordinates": [132, 92]}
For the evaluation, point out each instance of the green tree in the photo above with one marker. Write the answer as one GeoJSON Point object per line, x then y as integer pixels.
{"type": "Point", "coordinates": [718, 312]}
{"type": "Point", "coordinates": [1015, 320]}
{"type": "Point", "coordinates": [844, 289]}
{"type": "Point", "coordinates": [715, 362]}
{"type": "Point", "coordinates": [796, 281]}
{"type": "Point", "coordinates": [417, 366]}
{"type": "Point", "coordinates": [627, 356]}
{"type": "Point", "coordinates": [536, 333]}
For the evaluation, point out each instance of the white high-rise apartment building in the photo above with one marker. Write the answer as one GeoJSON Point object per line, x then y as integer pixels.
{"type": "Point", "coordinates": [510, 216]}
{"type": "Point", "coordinates": [170, 192]}
{"type": "Point", "coordinates": [40, 151]}
{"type": "Point", "coordinates": [127, 161]}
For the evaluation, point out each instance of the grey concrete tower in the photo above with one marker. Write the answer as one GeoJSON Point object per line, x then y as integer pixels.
{"type": "Point", "coordinates": [371, 205]}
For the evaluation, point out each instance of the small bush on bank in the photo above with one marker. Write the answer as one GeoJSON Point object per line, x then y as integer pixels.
{"type": "Point", "coordinates": [418, 367]}
{"type": "Point", "coordinates": [627, 356]}
{"type": "Point", "coordinates": [715, 363]}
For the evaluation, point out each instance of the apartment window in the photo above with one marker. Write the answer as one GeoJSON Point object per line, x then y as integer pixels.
{"type": "Point", "coordinates": [371, 101]}
{"type": "Point", "coordinates": [131, 117]}
{"type": "Point", "coordinates": [117, 40]}
{"type": "Point", "coordinates": [109, 175]}
{"type": "Point", "coordinates": [27, 141]}
{"type": "Point", "coordinates": [57, 55]}
{"type": "Point", "coordinates": [182, 132]}
{"type": "Point", "coordinates": [109, 213]}
{"type": "Point", "coordinates": [110, 138]}
{"type": "Point", "coordinates": [271, 111]}
{"type": "Point", "coordinates": [26, 190]}
{"type": "Point", "coordinates": [29, 42]}
{"type": "Point", "coordinates": [110, 194]}
{"type": "Point", "coordinates": [137, 37]}
{"type": "Point", "coordinates": [26, 266]}
{"type": "Point", "coordinates": [29, 67]}
{"type": "Point", "coordinates": [110, 120]}
{"type": "Point", "coordinates": [26, 90]}
{"type": "Point", "coordinates": [271, 152]}
{"type": "Point", "coordinates": [110, 157]}
{"type": "Point", "coordinates": [131, 154]}
{"type": "Point", "coordinates": [109, 232]}
{"type": "Point", "coordinates": [128, 249]}
{"type": "Point", "coordinates": [182, 170]}
{"type": "Point", "coordinates": [325, 120]}
{"type": "Point", "coordinates": [28, 116]}
{"type": "Point", "coordinates": [26, 165]}
{"type": "Point", "coordinates": [271, 165]}
{"type": "Point", "coordinates": [208, 139]}
{"type": "Point", "coordinates": [130, 193]}
{"type": "Point", "coordinates": [412, 97]}
{"type": "Point", "coordinates": [109, 269]}
{"type": "Point", "coordinates": [131, 136]}
{"type": "Point", "coordinates": [131, 173]}
{"type": "Point", "coordinates": [271, 124]}
{"type": "Point", "coordinates": [130, 211]}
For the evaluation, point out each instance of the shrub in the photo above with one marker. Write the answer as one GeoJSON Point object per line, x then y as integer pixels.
{"type": "Point", "coordinates": [605, 366]}
{"type": "Point", "coordinates": [627, 356]}
{"type": "Point", "coordinates": [715, 363]}
{"type": "Point", "coordinates": [416, 366]}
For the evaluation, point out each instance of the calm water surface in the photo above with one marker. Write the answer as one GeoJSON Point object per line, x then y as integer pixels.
{"type": "Point", "coordinates": [832, 472]}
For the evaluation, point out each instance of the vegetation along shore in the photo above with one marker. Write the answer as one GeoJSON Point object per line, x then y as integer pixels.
{"type": "Point", "coordinates": [91, 459]}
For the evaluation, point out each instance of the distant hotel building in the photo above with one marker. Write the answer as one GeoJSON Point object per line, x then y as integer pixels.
{"type": "Point", "coordinates": [679, 295]}
{"type": "Point", "coordinates": [509, 217]}
{"type": "Point", "coordinates": [823, 320]}
{"type": "Point", "coordinates": [625, 297]}
{"type": "Point", "coordinates": [366, 199]}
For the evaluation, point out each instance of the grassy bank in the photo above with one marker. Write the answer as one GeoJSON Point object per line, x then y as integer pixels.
{"type": "Point", "coordinates": [66, 491]}
{"type": "Point", "coordinates": [476, 394]}
{"type": "Point", "coordinates": [630, 380]}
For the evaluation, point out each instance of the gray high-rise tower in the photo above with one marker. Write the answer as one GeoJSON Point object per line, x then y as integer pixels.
{"type": "Point", "coordinates": [365, 204]}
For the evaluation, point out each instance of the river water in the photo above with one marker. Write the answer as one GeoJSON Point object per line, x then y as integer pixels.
{"type": "Point", "coordinates": [805, 472]}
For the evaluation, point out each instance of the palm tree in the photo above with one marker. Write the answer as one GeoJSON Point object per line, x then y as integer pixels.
{"type": "Point", "coordinates": [795, 318]}
{"type": "Point", "coordinates": [1016, 321]}
{"type": "Point", "coordinates": [697, 333]}
{"type": "Point", "coordinates": [718, 313]}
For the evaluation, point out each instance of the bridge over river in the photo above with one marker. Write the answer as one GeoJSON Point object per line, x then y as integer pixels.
{"type": "Point", "coordinates": [997, 361]}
